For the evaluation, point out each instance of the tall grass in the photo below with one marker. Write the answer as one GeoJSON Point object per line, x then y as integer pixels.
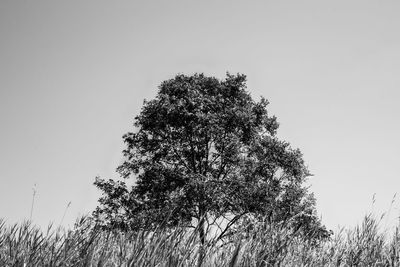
{"type": "Point", "coordinates": [265, 245]}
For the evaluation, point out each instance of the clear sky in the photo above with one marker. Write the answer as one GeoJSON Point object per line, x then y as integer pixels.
{"type": "Point", "coordinates": [73, 74]}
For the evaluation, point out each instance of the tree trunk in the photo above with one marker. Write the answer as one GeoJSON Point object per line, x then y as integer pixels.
{"type": "Point", "coordinates": [202, 235]}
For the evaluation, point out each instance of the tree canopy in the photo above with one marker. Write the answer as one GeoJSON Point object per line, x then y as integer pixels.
{"type": "Point", "coordinates": [202, 149]}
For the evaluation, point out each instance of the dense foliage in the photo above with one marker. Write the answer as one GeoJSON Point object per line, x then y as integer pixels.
{"type": "Point", "coordinates": [203, 150]}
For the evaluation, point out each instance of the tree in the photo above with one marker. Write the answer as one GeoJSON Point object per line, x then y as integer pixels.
{"type": "Point", "coordinates": [204, 149]}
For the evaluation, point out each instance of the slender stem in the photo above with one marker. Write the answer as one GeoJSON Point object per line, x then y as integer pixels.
{"type": "Point", "coordinates": [65, 211]}
{"type": "Point", "coordinates": [33, 201]}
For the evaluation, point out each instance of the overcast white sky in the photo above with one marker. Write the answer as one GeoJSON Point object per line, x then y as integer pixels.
{"type": "Point", "coordinates": [73, 74]}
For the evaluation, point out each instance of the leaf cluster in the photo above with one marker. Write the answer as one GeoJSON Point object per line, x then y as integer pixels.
{"type": "Point", "coordinates": [203, 148]}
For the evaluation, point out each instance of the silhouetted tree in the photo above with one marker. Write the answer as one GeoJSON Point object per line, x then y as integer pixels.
{"type": "Point", "coordinates": [203, 149]}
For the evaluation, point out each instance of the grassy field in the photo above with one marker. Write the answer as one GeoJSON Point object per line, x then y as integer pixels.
{"type": "Point", "coordinates": [266, 245]}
